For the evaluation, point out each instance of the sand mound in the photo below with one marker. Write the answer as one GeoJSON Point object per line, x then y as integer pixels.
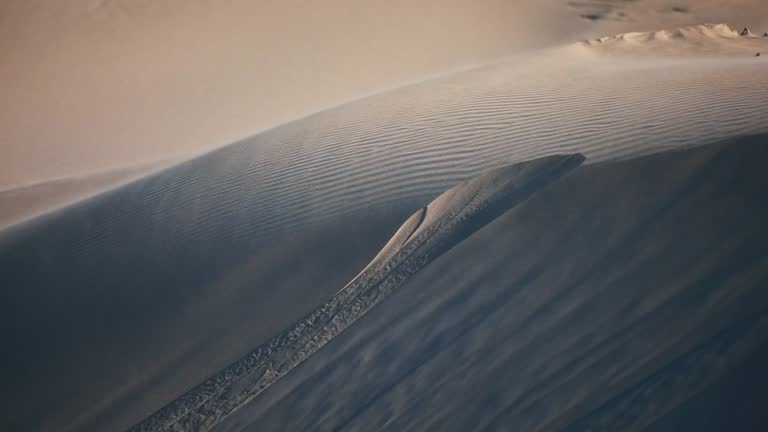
{"type": "Point", "coordinates": [606, 302]}
{"type": "Point", "coordinates": [24, 202]}
{"type": "Point", "coordinates": [712, 39]}
{"type": "Point", "coordinates": [159, 271]}
{"type": "Point", "coordinates": [426, 235]}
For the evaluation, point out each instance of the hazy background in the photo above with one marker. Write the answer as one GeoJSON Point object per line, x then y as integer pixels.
{"type": "Point", "coordinates": [89, 86]}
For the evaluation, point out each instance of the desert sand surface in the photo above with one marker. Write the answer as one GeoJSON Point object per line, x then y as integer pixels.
{"type": "Point", "coordinates": [566, 311]}
{"type": "Point", "coordinates": [718, 40]}
{"type": "Point", "coordinates": [517, 326]}
{"type": "Point", "coordinates": [24, 202]}
{"type": "Point", "coordinates": [91, 83]}
{"type": "Point", "coordinates": [426, 235]}
{"type": "Point", "coordinates": [119, 82]}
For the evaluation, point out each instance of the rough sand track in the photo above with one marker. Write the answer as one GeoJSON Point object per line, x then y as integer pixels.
{"type": "Point", "coordinates": [426, 235]}
{"type": "Point", "coordinates": [625, 294]}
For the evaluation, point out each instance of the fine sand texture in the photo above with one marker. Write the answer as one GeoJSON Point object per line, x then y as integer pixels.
{"type": "Point", "coordinates": [115, 306]}
{"type": "Point", "coordinates": [699, 40]}
{"type": "Point", "coordinates": [94, 83]}
{"type": "Point", "coordinates": [427, 234]}
{"type": "Point", "coordinates": [20, 203]}
{"type": "Point", "coordinates": [623, 297]}
{"type": "Point", "coordinates": [632, 94]}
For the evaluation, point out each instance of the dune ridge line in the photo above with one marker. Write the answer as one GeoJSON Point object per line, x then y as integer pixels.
{"type": "Point", "coordinates": [425, 236]}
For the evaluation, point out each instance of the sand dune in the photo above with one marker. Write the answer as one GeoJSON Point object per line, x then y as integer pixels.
{"type": "Point", "coordinates": [426, 235]}
{"type": "Point", "coordinates": [605, 303]}
{"type": "Point", "coordinates": [135, 293]}
{"type": "Point", "coordinates": [711, 39]}
{"type": "Point", "coordinates": [123, 81]}
{"type": "Point", "coordinates": [346, 158]}
{"type": "Point", "coordinates": [20, 203]}
{"type": "Point", "coordinates": [524, 107]}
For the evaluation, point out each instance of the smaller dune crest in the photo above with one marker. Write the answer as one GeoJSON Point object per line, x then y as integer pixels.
{"type": "Point", "coordinates": [470, 205]}
{"type": "Point", "coordinates": [426, 235]}
{"type": "Point", "coordinates": [698, 40]}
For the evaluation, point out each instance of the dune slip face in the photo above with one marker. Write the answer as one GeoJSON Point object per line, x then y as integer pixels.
{"type": "Point", "coordinates": [131, 296]}
{"type": "Point", "coordinates": [426, 235]}
{"type": "Point", "coordinates": [625, 297]}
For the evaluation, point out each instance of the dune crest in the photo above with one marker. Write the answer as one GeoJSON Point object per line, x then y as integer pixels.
{"type": "Point", "coordinates": [425, 236]}
{"type": "Point", "coordinates": [173, 262]}
{"type": "Point", "coordinates": [21, 203]}
{"type": "Point", "coordinates": [713, 39]}
{"type": "Point", "coordinates": [610, 301]}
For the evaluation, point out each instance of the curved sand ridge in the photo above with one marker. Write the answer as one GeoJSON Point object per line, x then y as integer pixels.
{"type": "Point", "coordinates": [152, 264]}
{"type": "Point", "coordinates": [415, 142]}
{"type": "Point", "coordinates": [426, 235]}
{"type": "Point", "coordinates": [623, 295]}
{"type": "Point", "coordinates": [704, 39]}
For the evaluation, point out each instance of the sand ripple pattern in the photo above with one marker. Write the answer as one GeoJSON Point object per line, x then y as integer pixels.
{"type": "Point", "coordinates": [427, 234]}
{"type": "Point", "coordinates": [417, 141]}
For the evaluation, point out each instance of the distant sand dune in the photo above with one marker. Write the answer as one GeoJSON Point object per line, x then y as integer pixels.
{"type": "Point", "coordinates": [606, 302]}
{"type": "Point", "coordinates": [21, 203]}
{"type": "Point", "coordinates": [712, 39]}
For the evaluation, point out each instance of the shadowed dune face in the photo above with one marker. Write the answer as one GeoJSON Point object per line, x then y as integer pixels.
{"type": "Point", "coordinates": [744, 383]}
{"type": "Point", "coordinates": [126, 81]}
{"type": "Point", "coordinates": [615, 16]}
{"type": "Point", "coordinates": [135, 293]}
{"type": "Point", "coordinates": [636, 278]}
{"type": "Point", "coordinates": [608, 301]}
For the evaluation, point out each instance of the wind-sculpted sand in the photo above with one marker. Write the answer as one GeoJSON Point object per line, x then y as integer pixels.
{"type": "Point", "coordinates": [135, 296]}
{"type": "Point", "coordinates": [426, 235]}
{"type": "Point", "coordinates": [606, 302]}
{"type": "Point", "coordinates": [718, 40]}
{"type": "Point", "coordinates": [24, 202]}
{"type": "Point", "coordinates": [379, 148]}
